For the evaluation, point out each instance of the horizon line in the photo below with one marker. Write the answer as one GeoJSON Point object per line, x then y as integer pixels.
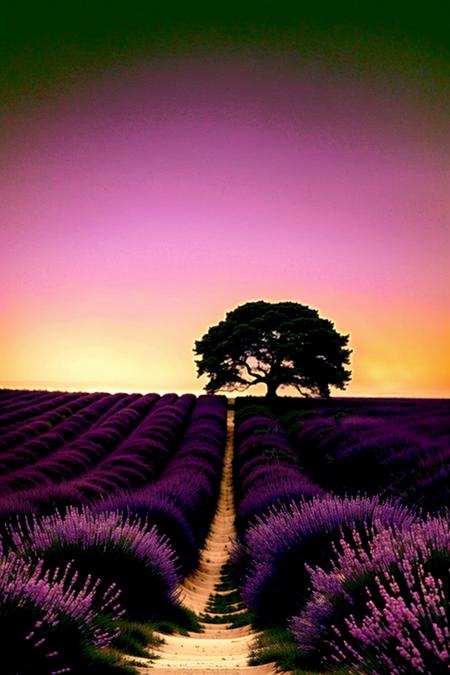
{"type": "Point", "coordinates": [89, 388]}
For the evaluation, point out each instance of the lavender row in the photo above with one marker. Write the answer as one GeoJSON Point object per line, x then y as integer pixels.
{"type": "Point", "coordinates": [16, 399]}
{"type": "Point", "coordinates": [136, 547]}
{"type": "Point", "coordinates": [67, 580]}
{"type": "Point", "coordinates": [12, 399]}
{"type": "Point", "coordinates": [126, 448]}
{"type": "Point", "coordinates": [106, 546]}
{"type": "Point", "coordinates": [7, 396]}
{"type": "Point", "coordinates": [361, 582]}
{"type": "Point", "coordinates": [180, 498]}
{"type": "Point", "coordinates": [49, 622]}
{"type": "Point", "coordinates": [383, 603]}
{"type": "Point", "coordinates": [74, 457]}
{"type": "Point", "coordinates": [403, 451]}
{"type": "Point", "coordinates": [28, 408]}
{"type": "Point", "coordinates": [36, 461]}
{"type": "Point", "coordinates": [58, 421]}
{"type": "Point", "coordinates": [182, 501]}
{"type": "Point", "coordinates": [280, 547]}
{"type": "Point", "coordinates": [266, 471]}
{"type": "Point", "coordinates": [140, 456]}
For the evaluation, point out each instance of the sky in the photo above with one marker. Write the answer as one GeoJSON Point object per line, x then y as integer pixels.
{"type": "Point", "coordinates": [158, 170]}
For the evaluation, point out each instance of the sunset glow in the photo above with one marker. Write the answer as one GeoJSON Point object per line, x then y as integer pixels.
{"type": "Point", "coordinates": [140, 205]}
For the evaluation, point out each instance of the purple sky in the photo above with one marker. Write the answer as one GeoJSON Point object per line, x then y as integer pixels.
{"type": "Point", "coordinates": [140, 206]}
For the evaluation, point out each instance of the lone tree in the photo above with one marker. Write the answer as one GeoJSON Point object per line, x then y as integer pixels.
{"type": "Point", "coordinates": [281, 343]}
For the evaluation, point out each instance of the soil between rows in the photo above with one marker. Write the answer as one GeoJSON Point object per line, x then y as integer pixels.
{"type": "Point", "coordinates": [218, 648]}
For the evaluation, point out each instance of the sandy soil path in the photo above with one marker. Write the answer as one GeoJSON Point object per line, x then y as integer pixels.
{"type": "Point", "coordinates": [219, 648]}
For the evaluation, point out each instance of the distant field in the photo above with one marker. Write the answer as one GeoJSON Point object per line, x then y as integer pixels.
{"type": "Point", "coordinates": [341, 518]}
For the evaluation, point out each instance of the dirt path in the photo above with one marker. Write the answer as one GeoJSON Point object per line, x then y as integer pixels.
{"type": "Point", "coordinates": [219, 647]}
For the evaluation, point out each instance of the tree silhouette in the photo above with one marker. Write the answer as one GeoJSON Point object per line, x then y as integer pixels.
{"type": "Point", "coordinates": [283, 343]}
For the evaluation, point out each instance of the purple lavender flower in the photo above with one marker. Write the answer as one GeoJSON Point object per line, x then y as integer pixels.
{"type": "Point", "coordinates": [109, 546]}
{"type": "Point", "coordinates": [278, 546]}
{"type": "Point", "coordinates": [406, 628]}
{"type": "Point", "coordinates": [47, 619]}
{"type": "Point", "coordinates": [266, 469]}
{"type": "Point", "coordinates": [399, 447]}
{"type": "Point", "coordinates": [382, 600]}
{"type": "Point", "coordinates": [155, 509]}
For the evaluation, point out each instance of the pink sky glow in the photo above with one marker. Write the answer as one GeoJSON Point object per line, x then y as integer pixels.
{"type": "Point", "coordinates": [137, 209]}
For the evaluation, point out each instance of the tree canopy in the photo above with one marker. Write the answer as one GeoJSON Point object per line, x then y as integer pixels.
{"type": "Point", "coordinates": [282, 343]}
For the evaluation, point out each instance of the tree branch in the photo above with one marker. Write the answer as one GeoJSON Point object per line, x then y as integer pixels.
{"type": "Point", "coordinates": [257, 378]}
{"type": "Point", "coordinates": [303, 393]}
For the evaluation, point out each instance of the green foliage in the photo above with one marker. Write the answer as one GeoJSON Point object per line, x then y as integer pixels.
{"type": "Point", "coordinates": [64, 639]}
{"type": "Point", "coordinates": [135, 638]}
{"type": "Point", "coordinates": [214, 618]}
{"type": "Point", "coordinates": [277, 344]}
{"type": "Point", "coordinates": [21, 655]}
{"type": "Point", "coordinates": [224, 604]}
{"type": "Point", "coordinates": [275, 644]}
{"type": "Point", "coordinates": [278, 645]}
{"type": "Point", "coordinates": [239, 620]}
{"type": "Point", "coordinates": [105, 662]}
{"type": "Point", "coordinates": [181, 620]}
{"type": "Point", "coordinates": [227, 584]}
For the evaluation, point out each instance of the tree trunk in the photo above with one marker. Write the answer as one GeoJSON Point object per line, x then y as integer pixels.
{"type": "Point", "coordinates": [271, 389]}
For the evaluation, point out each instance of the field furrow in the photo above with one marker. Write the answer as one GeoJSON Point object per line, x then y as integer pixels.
{"type": "Point", "coordinates": [219, 647]}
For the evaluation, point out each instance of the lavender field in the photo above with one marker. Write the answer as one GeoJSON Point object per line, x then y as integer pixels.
{"type": "Point", "coordinates": [246, 205]}
{"type": "Point", "coordinates": [105, 504]}
{"type": "Point", "coordinates": [340, 545]}
{"type": "Point", "coordinates": [343, 533]}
